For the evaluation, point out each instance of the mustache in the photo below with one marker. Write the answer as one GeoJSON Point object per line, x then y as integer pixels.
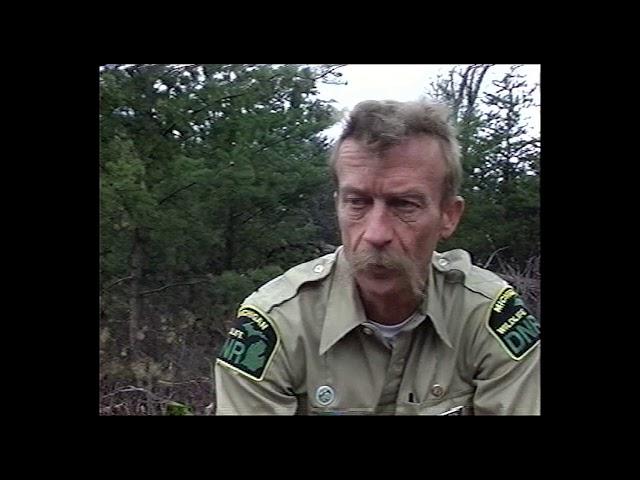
{"type": "Point", "coordinates": [366, 259]}
{"type": "Point", "coordinates": [361, 261]}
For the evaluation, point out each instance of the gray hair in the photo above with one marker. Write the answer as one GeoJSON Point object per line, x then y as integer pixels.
{"type": "Point", "coordinates": [379, 125]}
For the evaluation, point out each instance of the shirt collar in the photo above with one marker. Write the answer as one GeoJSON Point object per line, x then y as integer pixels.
{"type": "Point", "coordinates": [433, 307]}
{"type": "Point", "coordinates": [344, 308]}
{"type": "Point", "coordinates": [345, 311]}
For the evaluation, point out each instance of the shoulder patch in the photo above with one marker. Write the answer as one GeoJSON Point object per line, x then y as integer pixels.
{"type": "Point", "coordinates": [251, 343]}
{"type": "Point", "coordinates": [512, 325]}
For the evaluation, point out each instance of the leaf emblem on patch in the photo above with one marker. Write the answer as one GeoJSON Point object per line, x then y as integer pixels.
{"type": "Point", "coordinates": [251, 332]}
{"type": "Point", "coordinates": [251, 344]}
{"type": "Point", "coordinates": [254, 359]}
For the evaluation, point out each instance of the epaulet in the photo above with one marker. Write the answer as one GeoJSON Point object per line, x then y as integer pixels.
{"type": "Point", "coordinates": [286, 286]}
{"type": "Point", "coordinates": [507, 319]}
{"type": "Point", "coordinates": [457, 267]}
{"type": "Point", "coordinates": [254, 336]}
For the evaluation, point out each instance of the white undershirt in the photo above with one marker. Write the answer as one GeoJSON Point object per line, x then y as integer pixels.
{"type": "Point", "coordinates": [390, 331]}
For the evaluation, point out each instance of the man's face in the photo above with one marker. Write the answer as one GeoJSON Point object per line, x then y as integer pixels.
{"type": "Point", "coordinates": [390, 212]}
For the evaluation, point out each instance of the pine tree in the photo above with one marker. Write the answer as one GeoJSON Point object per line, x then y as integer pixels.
{"type": "Point", "coordinates": [206, 173]}
{"type": "Point", "coordinates": [501, 164]}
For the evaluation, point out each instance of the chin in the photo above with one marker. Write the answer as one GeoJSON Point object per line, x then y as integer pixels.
{"type": "Point", "coordinates": [379, 286]}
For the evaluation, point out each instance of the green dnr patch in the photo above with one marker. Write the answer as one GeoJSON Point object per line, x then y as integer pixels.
{"type": "Point", "coordinates": [250, 345]}
{"type": "Point", "coordinates": [511, 323]}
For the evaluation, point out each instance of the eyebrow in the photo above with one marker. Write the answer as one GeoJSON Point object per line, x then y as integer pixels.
{"type": "Point", "coordinates": [411, 193]}
{"type": "Point", "coordinates": [348, 190]}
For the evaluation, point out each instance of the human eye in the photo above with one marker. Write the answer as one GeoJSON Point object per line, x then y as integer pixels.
{"type": "Point", "coordinates": [355, 202]}
{"type": "Point", "coordinates": [404, 205]}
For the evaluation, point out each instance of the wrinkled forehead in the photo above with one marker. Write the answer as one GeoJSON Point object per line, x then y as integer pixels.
{"type": "Point", "coordinates": [421, 144]}
{"type": "Point", "coordinates": [422, 154]}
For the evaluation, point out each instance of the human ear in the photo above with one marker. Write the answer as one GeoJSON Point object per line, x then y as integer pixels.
{"type": "Point", "coordinates": [451, 214]}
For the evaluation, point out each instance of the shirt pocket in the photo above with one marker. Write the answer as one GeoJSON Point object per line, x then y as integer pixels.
{"type": "Point", "coordinates": [457, 403]}
{"type": "Point", "coordinates": [328, 411]}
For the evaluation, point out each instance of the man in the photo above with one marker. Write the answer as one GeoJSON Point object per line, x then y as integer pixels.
{"type": "Point", "coordinates": [386, 325]}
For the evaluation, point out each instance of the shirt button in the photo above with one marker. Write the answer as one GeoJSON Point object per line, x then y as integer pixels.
{"type": "Point", "coordinates": [318, 268]}
{"type": "Point", "coordinates": [437, 390]}
{"type": "Point", "coordinates": [367, 331]}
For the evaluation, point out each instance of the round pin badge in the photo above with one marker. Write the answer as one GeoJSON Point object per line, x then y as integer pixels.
{"type": "Point", "coordinates": [325, 395]}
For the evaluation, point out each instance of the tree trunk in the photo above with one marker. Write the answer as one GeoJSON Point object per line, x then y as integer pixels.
{"type": "Point", "coordinates": [229, 241]}
{"type": "Point", "coordinates": [135, 299]}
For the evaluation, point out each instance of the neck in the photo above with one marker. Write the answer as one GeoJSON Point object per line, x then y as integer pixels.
{"type": "Point", "coordinates": [389, 309]}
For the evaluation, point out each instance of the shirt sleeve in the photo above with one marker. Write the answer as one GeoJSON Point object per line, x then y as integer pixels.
{"type": "Point", "coordinates": [252, 379]}
{"type": "Point", "coordinates": [506, 358]}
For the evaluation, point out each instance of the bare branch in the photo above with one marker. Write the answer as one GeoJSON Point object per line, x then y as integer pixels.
{"type": "Point", "coordinates": [170, 129]}
{"type": "Point", "coordinates": [118, 281]}
{"type": "Point", "coordinates": [254, 214]}
{"type": "Point", "coordinates": [176, 192]}
{"type": "Point", "coordinates": [486, 265]}
{"type": "Point", "coordinates": [274, 143]}
{"type": "Point", "coordinates": [329, 71]}
{"type": "Point", "coordinates": [149, 292]}
{"type": "Point", "coordinates": [131, 388]}
{"type": "Point", "coordinates": [322, 75]}
{"type": "Point", "coordinates": [228, 97]}
{"type": "Point", "coordinates": [186, 382]}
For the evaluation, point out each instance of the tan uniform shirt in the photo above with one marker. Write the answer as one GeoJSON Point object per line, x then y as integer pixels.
{"type": "Point", "coordinates": [473, 348]}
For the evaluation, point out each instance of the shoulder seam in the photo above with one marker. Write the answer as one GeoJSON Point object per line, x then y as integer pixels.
{"type": "Point", "coordinates": [487, 278]}
{"type": "Point", "coordinates": [479, 292]}
{"type": "Point", "coordinates": [294, 292]}
{"type": "Point", "coordinates": [293, 287]}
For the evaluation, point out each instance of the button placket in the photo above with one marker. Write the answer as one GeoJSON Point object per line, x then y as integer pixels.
{"type": "Point", "coordinates": [395, 372]}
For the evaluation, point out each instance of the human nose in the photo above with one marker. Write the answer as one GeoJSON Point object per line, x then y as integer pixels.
{"type": "Point", "coordinates": [378, 229]}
